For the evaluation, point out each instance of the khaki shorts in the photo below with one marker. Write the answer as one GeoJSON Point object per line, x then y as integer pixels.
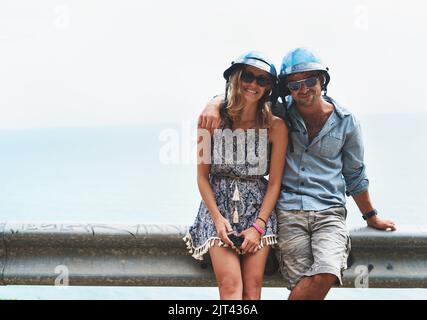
{"type": "Point", "coordinates": [312, 242]}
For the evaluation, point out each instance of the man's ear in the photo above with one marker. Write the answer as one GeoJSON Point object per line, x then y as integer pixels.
{"type": "Point", "coordinates": [322, 81]}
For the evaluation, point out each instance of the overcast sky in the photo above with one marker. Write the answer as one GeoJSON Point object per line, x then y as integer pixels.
{"type": "Point", "coordinates": [98, 62]}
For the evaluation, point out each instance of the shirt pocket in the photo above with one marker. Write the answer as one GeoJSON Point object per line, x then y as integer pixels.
{"type": "Point", "coordinates": [330, 145]}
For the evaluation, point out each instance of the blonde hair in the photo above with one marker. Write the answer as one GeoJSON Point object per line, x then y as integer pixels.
{"type": "Point", "coordinates": [235, 104]}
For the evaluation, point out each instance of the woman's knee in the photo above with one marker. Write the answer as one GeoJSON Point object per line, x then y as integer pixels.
{"type": "Point", "coordinates": [230, 285]}
{"type": "Point", "coordinates": [252, 288]}
{"type": "Point", "coordinates": [253, 293]}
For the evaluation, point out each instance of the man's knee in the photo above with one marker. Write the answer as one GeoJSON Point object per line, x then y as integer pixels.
{"type": "Point", "coordinates": [324, 279]}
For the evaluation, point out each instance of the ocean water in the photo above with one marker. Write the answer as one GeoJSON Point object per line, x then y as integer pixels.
{"type": "Point", "coordinates": [139, 174]}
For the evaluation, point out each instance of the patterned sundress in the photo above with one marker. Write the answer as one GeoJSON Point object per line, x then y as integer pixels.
{"type": "Point", "coordinates": [239, 186]}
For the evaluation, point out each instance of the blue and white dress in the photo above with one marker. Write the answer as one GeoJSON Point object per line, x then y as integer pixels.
{"type": "Point", "coordinates": [239, 186]}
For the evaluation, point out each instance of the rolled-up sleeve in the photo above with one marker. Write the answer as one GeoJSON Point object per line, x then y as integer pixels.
{"type": "Point", "coordinates": [354, 169]}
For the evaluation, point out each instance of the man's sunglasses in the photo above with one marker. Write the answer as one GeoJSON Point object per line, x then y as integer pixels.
{"type": "Point", "coordinates": [296, 85]}
{"type": "Point", "coordinates": [248, 77]}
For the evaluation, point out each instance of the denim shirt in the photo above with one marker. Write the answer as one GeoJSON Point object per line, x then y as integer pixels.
{"type": "Point", "coordinates": [319, 173]}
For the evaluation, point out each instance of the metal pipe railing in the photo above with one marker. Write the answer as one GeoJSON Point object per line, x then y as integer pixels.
{"type": "Point", "coordinates": [92, 254]}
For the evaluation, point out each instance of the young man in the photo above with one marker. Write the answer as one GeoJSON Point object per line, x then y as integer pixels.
{"type": "Point", "coordinates": [324, 162]}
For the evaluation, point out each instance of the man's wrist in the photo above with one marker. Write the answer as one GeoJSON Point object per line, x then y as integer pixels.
{"type": "Point", "coordinates": [369, 214]}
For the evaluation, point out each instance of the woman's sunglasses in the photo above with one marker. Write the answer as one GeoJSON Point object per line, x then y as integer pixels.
{"type": "Point", "coordinates": [296, 85]}
{"type": "Point", "coordinates": [248, 77]}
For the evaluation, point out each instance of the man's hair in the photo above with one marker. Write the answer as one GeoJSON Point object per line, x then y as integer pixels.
{"type": "Point", "coordinates": [322, 79]}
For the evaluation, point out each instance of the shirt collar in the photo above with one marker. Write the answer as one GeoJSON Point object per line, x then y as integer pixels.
{"type": "Point", "coordinates": [340, 111]}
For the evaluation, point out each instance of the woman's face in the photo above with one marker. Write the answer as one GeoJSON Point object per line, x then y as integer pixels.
{"type": "Point", "coordinates": [254, 83]}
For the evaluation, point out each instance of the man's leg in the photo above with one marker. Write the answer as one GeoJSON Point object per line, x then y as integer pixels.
{"type": "Point", "coordinates": [313, 288]}
{"type": "Point", "coordinates": [294, 244]}
{"type": "Point", "coordinates": [330, 248]}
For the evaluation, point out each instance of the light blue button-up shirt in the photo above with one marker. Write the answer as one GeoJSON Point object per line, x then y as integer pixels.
{"type": "Point", "coordinates": [318, 174]}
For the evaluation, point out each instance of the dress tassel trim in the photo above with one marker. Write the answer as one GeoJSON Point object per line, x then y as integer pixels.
{"type": "Point", "coordinates": [197, 253]}
{"type": "Point", "coordinates": [269, 240]}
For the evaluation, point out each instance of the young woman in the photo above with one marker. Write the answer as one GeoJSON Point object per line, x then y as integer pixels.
{"type": "Point", "coordinates": [236, 223]}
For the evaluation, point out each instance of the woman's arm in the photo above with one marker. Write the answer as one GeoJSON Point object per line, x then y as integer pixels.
{"type": "Point", "coordinates": [203, 168]}
{"type": "Point", "coordinates": [279, 141]}
{"type": "Point", "coordinates": [278, 137]}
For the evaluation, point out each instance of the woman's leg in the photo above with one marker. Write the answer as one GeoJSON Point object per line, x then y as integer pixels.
{"type": "Point", "coordinates": [226, 265]}
{"type": "Point", "coordinates": [253, 273]}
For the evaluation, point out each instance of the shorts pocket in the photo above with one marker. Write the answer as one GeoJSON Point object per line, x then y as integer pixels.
{"type": "Point", "coordinates": [347, 254]}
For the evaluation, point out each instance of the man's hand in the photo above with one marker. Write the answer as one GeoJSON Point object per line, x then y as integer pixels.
{"type": "Point", "coordinates": [363, 201]}
{"type": "Point", "coordinates": [377, 223]}
{"type": "Point", "coordinates": [210, 118]}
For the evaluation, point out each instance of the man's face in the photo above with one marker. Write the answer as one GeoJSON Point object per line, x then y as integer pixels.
{"type": "Point", "coordinates": [302, 92]}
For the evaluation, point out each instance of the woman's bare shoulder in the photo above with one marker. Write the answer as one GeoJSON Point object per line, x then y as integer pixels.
{"type": "Point", "coordinates": [277, 124]}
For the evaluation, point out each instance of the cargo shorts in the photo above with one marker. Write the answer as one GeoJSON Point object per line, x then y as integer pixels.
{"type": "Point", "coordinates": [312, 242]}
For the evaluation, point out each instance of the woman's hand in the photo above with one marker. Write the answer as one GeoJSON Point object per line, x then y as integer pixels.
{"type": "Point", "coordinates": [252, 240]}
{"type": "Point", "coordinates": [223, 227]}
